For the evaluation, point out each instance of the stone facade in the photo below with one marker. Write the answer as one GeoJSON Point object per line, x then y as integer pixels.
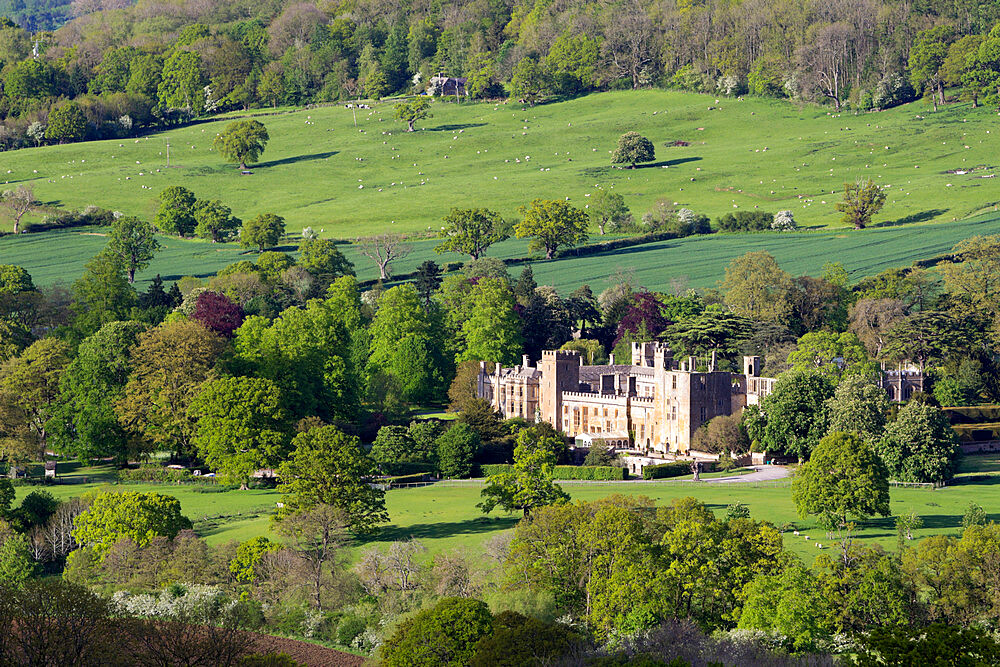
{"type": "Point", "coordinates": [653, 405]}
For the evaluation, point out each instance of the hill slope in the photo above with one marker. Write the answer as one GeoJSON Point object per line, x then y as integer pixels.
{"type": "Point", "coordinates": [320, 171]}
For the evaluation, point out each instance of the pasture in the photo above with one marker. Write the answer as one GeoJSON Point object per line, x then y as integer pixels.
{"type": "Point", "coordinates": [322, 171]}
{"type": "Point", "coordinates": [444, 516]}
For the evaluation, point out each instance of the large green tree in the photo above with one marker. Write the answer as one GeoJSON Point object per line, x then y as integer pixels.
{"type": "Point", "coordinates": [406, 345]}
{"type": "Point", "coordinates": [920, 446]}
{"type": "Point", "coordinates": [309, 353]}
{"type": "Point", "coordinates": [29, 394]}
{"type": "Point", "coordinates": [455, 449]}
{"type": "Point", "coordinates": [528, 484]}
{"type": "Point", "coordinates": [133, 243]}
{"type": "Point", "coordinates": [794, 416]}
{"type": "Point", "coordinates": [66, 123]}
{"type": "Point", "coordinates": [176, 212]}
{"type": "Point", "coordinates": [328, 467]}
{"type": "Point", "coordinates": [140, 517]}
{"type": "Point", "coordinates": [471, 231]}
{"type": "Point", "coordinates": [102, 294]}
{"type": "Point", "coordinates": [182, 85]}
{"type": "Point", "coordinates": [492, 331]}
{"type": "Point", "coordinates": [757, 288]}
{"type": "Point", "coordinates": [214, 220]}
{"type": "Point", "coordinates": [84, 423]}
{"type": "Point", "coordinates": [410, 112]}
{"type": "Point", "coordinates": [241, 426]}
{"type": "Point", "coordinates": [843, 478]}
{"type": "Point", "coordinates": [927, 57]}
{"type": "Point", "coordinates": [551, 224]}
{"type": "Point", "coordinates": [242, 142]}
{"type": "Point", "coordinates": [859, 405]}
{"type": "Point", "coordinates": [443, 635]}
{"type": "Point", "coordinates": [168, 365]}
{"type": "Point", "coordinates": [608, 210]}
{"type": "Point", "coordinates": [862, 200]}
{"type": "Point", "coordinates": [633, 148]}
{"type": "Point", "coordinates": [262, 232]}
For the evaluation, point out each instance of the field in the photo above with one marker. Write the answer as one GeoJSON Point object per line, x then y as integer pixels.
{"type": "Point", "coordinates": [444, 516]}
{"type": "Point", "coordinates": [700, 262]}
{"type": "Point", "coordinates": [319, 170]}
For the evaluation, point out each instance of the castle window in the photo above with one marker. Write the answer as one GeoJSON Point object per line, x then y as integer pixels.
{"type": "Point", "coordinates": [703, 413]}
{"type": "Point", "coordinates": [674, 378]}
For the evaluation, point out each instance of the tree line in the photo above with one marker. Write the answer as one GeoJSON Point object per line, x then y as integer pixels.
{"type": "Point", "coordinates": [107, 73]}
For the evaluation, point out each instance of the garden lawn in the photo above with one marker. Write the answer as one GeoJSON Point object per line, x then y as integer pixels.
{"type": "Point", "coordinates": [444, 516]}
{"type": "Point", "coordinates": [320, 170]}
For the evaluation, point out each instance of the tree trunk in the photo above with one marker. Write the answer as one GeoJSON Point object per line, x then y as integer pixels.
{"type": "Point", "coordinates": [600, 228]}
{"type": "Point", "coordinates": [410, 124]}
{"type": "Point", "coordinates": [131, 275]}
{"type": "Point", "coordinates": [243, 165]}
{"type": "Point", "coordinates": [941, 92]}
{"type": "Point", "coordinates": [975, 100]}
{"type": "Point", "coordinates": [550, 253]}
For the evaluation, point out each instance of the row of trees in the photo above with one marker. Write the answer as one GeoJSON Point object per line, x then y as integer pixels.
{"type": "Point", "coordinates": [131, 67]}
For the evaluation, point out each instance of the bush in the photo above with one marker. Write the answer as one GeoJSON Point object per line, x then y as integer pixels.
{"type": "Point", "coordinates": [350, 626]}
{"type": "Point", "coordinates": [746, 221]}
{"type": "Point", "coordinates": [675, 469]}
{"type": "Point", "coordinates": [598, 473]}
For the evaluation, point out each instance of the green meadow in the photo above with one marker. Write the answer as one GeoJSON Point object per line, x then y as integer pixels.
{"type": "Point", "coordinates": [322, 171]}
{"type": "Point", "coordinates": [444, 516]}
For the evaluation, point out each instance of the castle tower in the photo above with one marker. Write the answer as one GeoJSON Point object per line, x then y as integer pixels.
{"type": "Point", "coordinates": [560, 370]}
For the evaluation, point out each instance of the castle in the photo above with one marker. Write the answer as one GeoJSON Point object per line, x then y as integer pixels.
{"type": "Point", "coordinates": [653, 405]}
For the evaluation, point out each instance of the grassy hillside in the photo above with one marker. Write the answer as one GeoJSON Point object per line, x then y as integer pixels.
{"type": "Point", "coordinates": [742, 154]}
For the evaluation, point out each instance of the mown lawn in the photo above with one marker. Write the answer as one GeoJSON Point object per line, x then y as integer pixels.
{"type": "Point", "coordinates": [445, 516]}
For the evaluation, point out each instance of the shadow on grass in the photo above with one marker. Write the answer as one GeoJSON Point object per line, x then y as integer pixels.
{"type": "Point", "coordinates": [592, 172]}
{"type": "Point", "coordinates": [922, 216]}
{"type": "Point", "coordinates": [453, 127]}
{"type": "Point", "coordinates": [294, 159]}
{"type": "Point", "coordinates": [434, 531]}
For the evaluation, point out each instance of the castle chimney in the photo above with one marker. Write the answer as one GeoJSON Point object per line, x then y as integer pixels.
{"type": "Point", "coordinates": [611, 359]}
{"type": "Point", "coordinates": [711, 366]}
{"type": "Point", "coordinates": [527, 362]}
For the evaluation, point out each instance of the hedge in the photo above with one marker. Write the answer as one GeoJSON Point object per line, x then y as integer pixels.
{"type": "Point", "coordinates": [153, 473]}
{"type": "Point", "coordinates": [596, 473]}
{"type": "Point", "coordinates": [674, 469]}
{"type": "Point", "coordinates": [408, 479]}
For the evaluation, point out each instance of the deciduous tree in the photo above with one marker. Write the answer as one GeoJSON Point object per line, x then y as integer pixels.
{"type": "Point", "coordinates": [133, 243]}
{"type": "Point", "coordinates": [920, 446]}
{"type": "Point", "coordinates": [471, 231]}
{"type": "Point", "coordinates": [262, 232]}
{"type": "Point", "coordinates": [327, 467]}
{"type": "Point", "coordinates": [242, 142]}
{"type": "Point", "coordinates": [551, 224]}
{"type": "Point", "coordinates": [632, 149]}
{"type": "Point", "coordinates": [528, 484]}
{"type": "Point", "coordinates": [176, 213]}
{"type": "Point", "coordinates": [757, 288]}
{"type": "Point", "coordinates": [140, 517]}
{"type": "Point", "coordinates": [241, 426]}
{"type": "Point", "coordinates": [214, 220]}
{"type": "Point", "coordinates": [863, 199]}
{"type": "Point", "coordinates": [18, 203]}
{"type": "Point", "coordinates": [169, 364]}
{"type": "Point", "coordinates": [29, 392]}
{"type": "Point", "coordinates": [410, 112]}
{"type": "Point", "coordinates": [843, 478]}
